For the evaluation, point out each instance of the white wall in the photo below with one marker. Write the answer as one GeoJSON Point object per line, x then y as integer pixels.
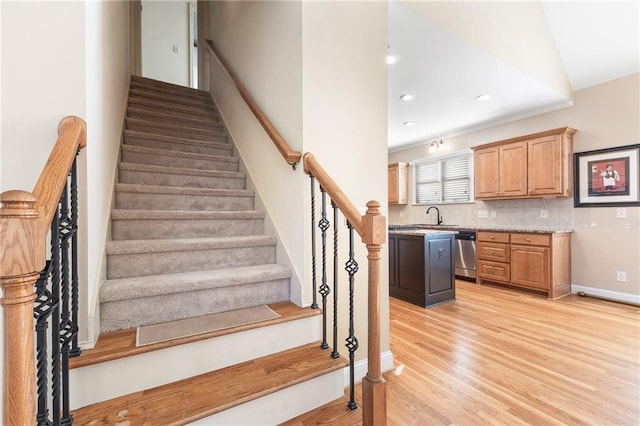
{"type": "Point", "coordinates": [165, 24]}
{"type": "Point", "coordinates": [606, 115]}
{"type": "Point", "coordinates": [107, 83]}
{"type": "Point", "coordinates": [345, 126]}
{"type": "Point", "coordinates": [59, 59]}
{"type": "Point", "coordinates": [317, 70]}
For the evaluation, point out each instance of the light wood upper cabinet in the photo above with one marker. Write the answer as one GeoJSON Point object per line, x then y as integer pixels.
{"type": "Point", "coordinates": [397, 174]}
{"type": "Point", "coordinates": [536, 165]}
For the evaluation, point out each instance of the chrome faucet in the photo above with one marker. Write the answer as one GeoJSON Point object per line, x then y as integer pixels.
{"type": "Point", "coordinates": [440, 218]}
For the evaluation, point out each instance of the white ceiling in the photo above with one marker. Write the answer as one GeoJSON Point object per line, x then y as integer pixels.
{"type": "Point", "coordinates": [528, 56]}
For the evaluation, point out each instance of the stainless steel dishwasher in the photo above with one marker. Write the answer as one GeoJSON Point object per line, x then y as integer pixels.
{"type": "Point", "coordinates": [466, 255]}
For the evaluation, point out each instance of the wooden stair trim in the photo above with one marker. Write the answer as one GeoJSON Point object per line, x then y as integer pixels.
{"type": "Point", "coordinates": [122, 343]}
{"type": "Point", "coordinates": [150, 82]}
{"type": "Point", "coordinates": [204, 395]}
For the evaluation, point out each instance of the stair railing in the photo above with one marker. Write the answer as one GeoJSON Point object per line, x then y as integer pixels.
{"type": "Point", "coordinates": [372, 230]}
{"type": "Point", "coordinates": [291, 157]}
{"type": "Point", "coordinates": [47, 291]}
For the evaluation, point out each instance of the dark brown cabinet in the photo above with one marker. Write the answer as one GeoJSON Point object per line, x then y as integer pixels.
{"type": "Point", "coordinates": [421, 268]}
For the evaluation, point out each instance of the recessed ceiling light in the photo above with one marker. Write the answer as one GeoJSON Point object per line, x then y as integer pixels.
{"type": "Point", "coordinates": [483, 97]}
{"type": "Point", "coordinates": [391, 59]}
{"type": "Point", "coordinates": [408, 123]}
{"type": "Point", "coordinates": [407, 97]}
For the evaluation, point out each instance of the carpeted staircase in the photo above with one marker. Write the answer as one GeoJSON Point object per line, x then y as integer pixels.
{"type": "Point", "coordinates": [186, 240]}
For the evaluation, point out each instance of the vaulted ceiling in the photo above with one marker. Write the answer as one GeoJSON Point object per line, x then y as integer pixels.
{"type": "Point", "coordinates": [529, 57]}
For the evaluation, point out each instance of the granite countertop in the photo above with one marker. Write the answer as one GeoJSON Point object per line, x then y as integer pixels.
{"type": "Point", "coordinates": [498, 228]}
{"type": "Point", "coordinates": [423, 232]}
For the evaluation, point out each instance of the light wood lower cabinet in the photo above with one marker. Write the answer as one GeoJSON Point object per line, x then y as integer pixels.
{"type": "Point", "coordinates": [532, 261]}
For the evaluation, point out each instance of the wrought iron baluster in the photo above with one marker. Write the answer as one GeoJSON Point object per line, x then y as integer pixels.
{"type": "Point", "coordinates": [41, 313]}
{"type": "Point", "coordinates": [324, 288]}
{"type": "Point", "coordinates": [66, 231]}
{"type": "Point", "coordinates": [75, 285]}
{"type": "Point", "coordinates": [314, 304]}
{"type": "Point", "coordinates": [334, 353]}
{"type": "Point", "coordinates": [55, 318]}
{"type": "Point", "coordinates": [352, 342]}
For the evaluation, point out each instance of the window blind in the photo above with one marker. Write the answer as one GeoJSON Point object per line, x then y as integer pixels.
{"type": "Point", "coordinates": [446, 180]}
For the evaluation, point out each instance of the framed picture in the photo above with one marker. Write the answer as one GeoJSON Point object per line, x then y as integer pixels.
{"type": "Point", "coordinates": [607, 177]}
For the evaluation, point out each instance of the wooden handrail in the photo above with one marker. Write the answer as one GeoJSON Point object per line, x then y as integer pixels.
{"type": "Point", "coordinates": [372, 228]}
{"type": "Point", "coordinates": [291, 157]}
{"type": "Point", "coordinates": [25, 219]}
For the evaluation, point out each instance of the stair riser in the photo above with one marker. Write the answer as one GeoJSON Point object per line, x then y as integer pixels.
{"type": "Point", "coordinates": [168, 108]}
{"type": "Point", "coordinates": [145, 201]}
{"type": "Point", "coordinates": [190, 94]}
{"type": "Point", "coordinates": [174, 99]}
{"type": "Point", "coordinates": [158, 117]}
{"type": "Point", "coordinates": [187, 181]}
{"type": "Point", "coordinates": [131, 313]}
{"type": "Point", "coordinates": [181, 162]}
{"type": "Point", "coordinates": [144, 371]}
{"type": "Point", "coordinates": [143, 264]}
{"type": "Point", "coordinates": [180, 133]}
{"type": "Point", "coordinates": [178, 146]}
{"type": "Point", "coordinates": [139, 229]}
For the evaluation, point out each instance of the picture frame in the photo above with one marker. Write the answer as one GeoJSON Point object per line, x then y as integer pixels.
{"type": "Point", "coordinates": [607, 177]}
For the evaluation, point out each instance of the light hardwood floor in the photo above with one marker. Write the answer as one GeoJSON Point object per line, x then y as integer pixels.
{"type": "Point", "coordinates": [501, 357]}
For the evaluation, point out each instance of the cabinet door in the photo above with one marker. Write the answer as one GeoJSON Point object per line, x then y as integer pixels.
{"type": "Point", "coordinates": [410, 277]}
{"type": "Point", "coordinates": [513, 169]}
{"type": "Point", "coordinates": [486, 172]}
{"type": "Point", "coordinates": [398, 184]}
{"type": "Point", "coordinates": [530, 266]}
{"type": "Point", "coordinates": [392, 176]}
{"type": "Point", "coordinates": [545, 166]}
{"type": "Point", "coordinates": [440, 284]}
{"type": "Point", "coordinates": [392, 261]}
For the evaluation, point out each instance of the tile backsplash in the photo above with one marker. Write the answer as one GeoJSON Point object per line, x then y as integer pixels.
{"type": "Point", "coordinates": [524, 213]}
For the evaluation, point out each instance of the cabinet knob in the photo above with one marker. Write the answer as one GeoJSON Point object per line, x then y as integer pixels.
{"type": "Point", "coordinates": [492, 237]}
{"type": "Point", "coordinates": [528, 240]}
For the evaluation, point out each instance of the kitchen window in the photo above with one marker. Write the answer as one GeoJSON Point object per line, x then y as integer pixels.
{"type": "Point", "coordinates": [444, 180]}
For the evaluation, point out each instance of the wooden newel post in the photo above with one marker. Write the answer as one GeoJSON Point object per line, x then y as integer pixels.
{"type": "Point", "coordinates": [20, 264]}
{"type": "Point", "coordinates": [374, 387]}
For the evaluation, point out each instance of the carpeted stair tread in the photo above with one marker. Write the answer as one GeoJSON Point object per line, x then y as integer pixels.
{"type": "Point", "coordinates": [154, 114]}
{"type": "Point", "coordinates": [187, 244]}
{"type": "Point", "coordinates": [169, 106]}
{"type": "Point", "coordinates": [201, 396]}
{"type": "Point", "coordinates": [151, 82]}
{"type": "Point", "coordinates": [154, 285]}
{"type": "Point", "coordinates": [180, 154]}
{"type": "Point", "coordinates": [123, 214]}
{"type": "Point", "coordinates": [175, 140]}
{"type": "Point", "coordinates": [160, 127]}
{"type": "Point", "coordinates": [172, 98]}
{"type": "Point", "coordinates": [179, 170]}
{"type": "Point", "coordinates": [176, 190]}
{"type": "Point", "coordinates": [193, 93]}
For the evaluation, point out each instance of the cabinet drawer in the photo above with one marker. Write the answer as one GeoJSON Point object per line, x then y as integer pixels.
{"type": "Point", "coordinates": [496, 237]}
{"type": "Point", "coordinates": [531, 239]}
{"type": "Point", "coordinates": [493, 251]}
{"type": "Point", "coordinates": [494, 271]}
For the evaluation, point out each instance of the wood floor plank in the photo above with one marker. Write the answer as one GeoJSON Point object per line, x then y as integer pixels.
{"type": "Point", "coordinates": [496, 356]}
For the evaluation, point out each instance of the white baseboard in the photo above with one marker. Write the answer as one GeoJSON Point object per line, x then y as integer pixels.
{"type": "Point", "coordinates": [360, 370]}
{"type": "Point", "coordinates": [634, 299]}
